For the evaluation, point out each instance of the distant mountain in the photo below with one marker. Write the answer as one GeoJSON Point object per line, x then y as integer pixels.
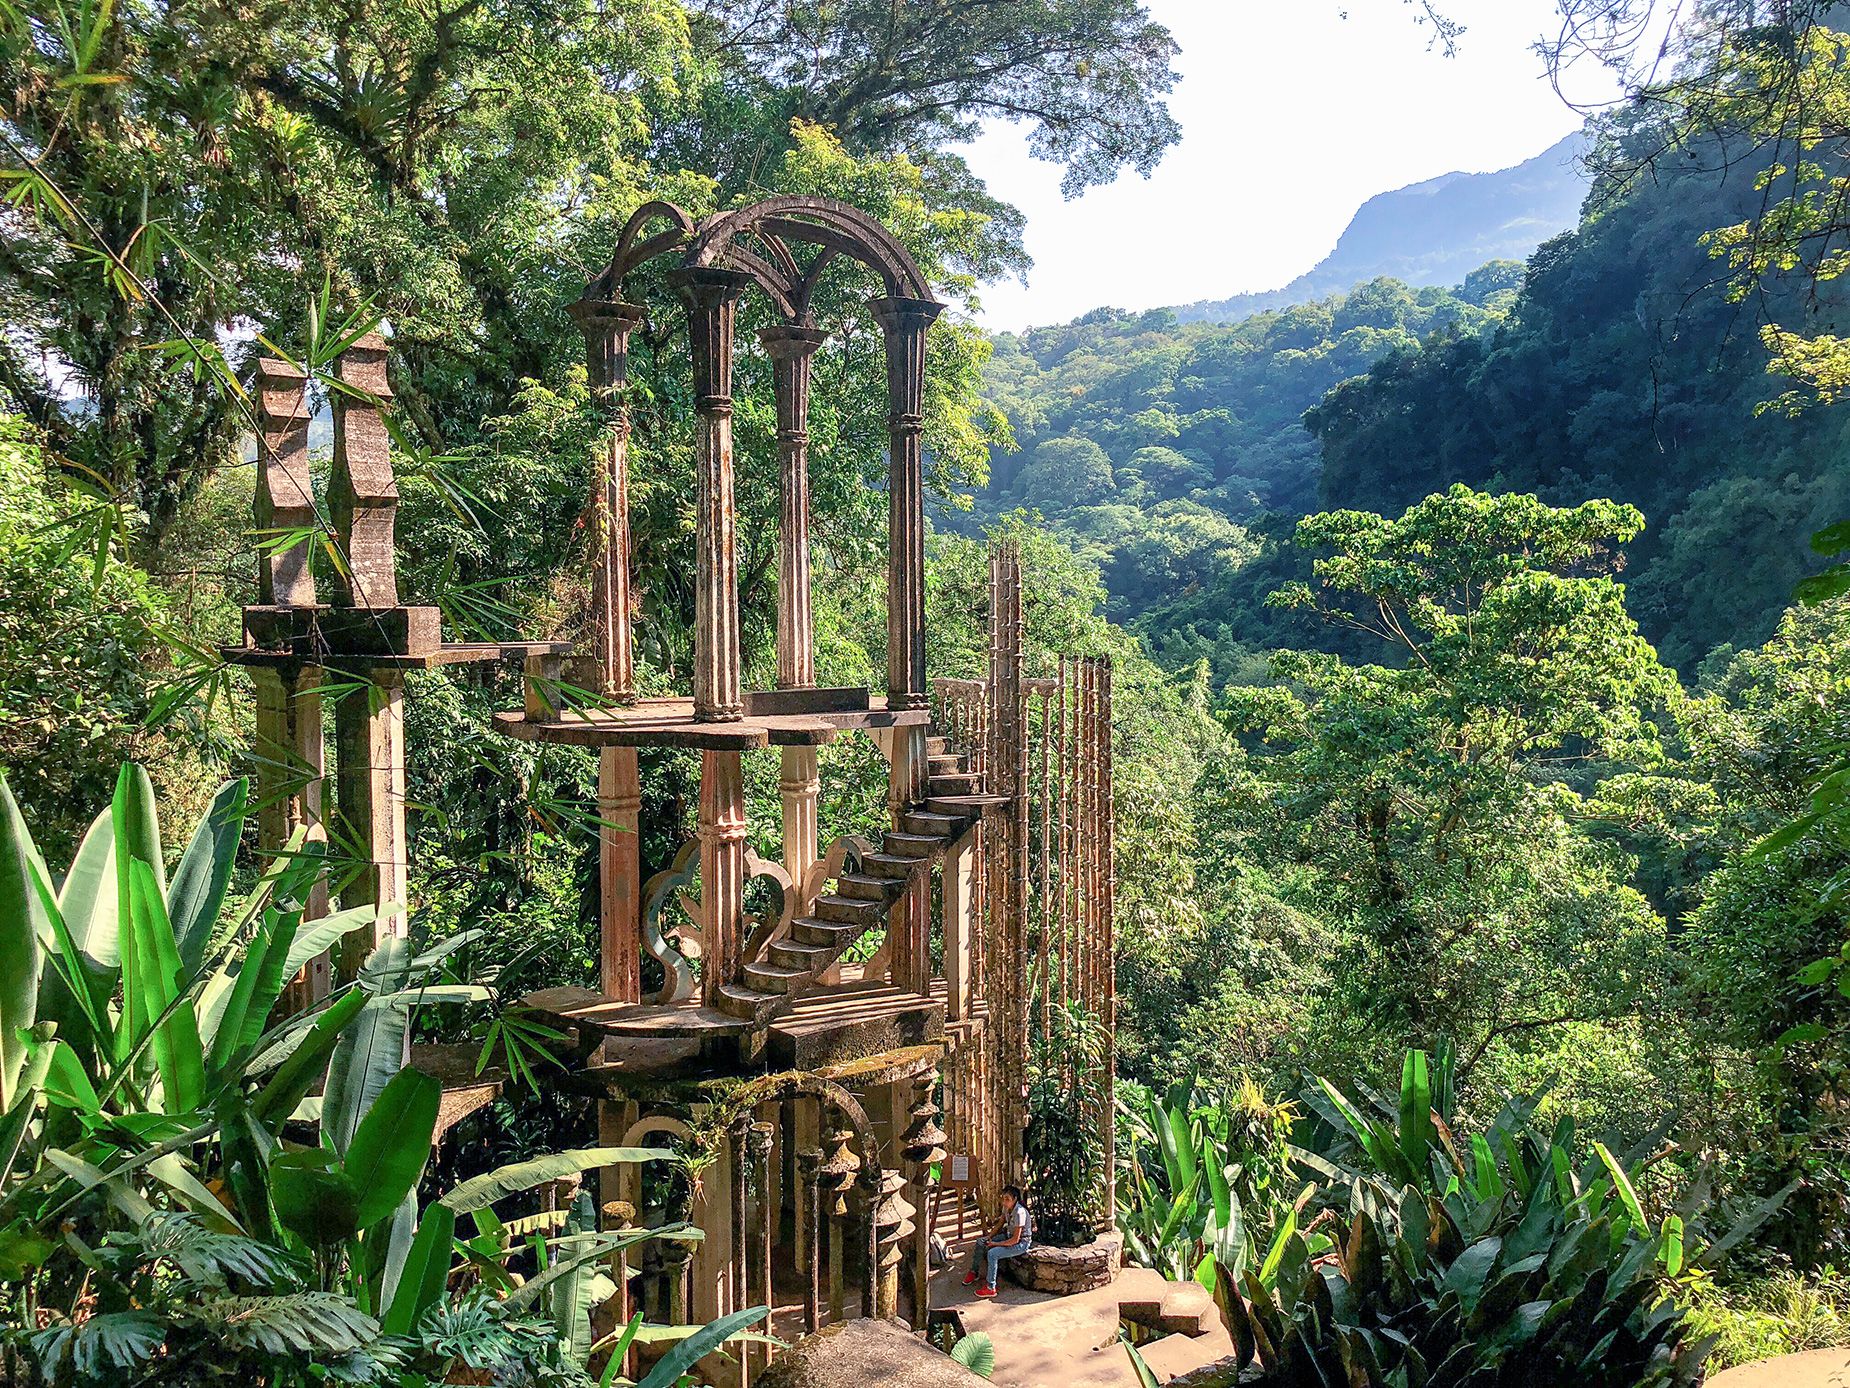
{"type": "Point", "coordinates": [1434, 233]}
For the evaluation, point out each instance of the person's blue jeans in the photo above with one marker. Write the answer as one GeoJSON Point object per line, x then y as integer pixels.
{"type": "Point", "coordinates": [994, 1255]}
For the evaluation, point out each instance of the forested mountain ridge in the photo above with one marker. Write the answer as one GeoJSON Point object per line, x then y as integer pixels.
{"type": "Point", "coordinates": [1614, 365]}
{"type": "Point", "coordinates": [1434, 232]}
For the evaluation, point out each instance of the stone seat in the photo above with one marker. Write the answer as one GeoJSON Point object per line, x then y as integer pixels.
{"type": "Point", "coordinates": [1065, 1271]}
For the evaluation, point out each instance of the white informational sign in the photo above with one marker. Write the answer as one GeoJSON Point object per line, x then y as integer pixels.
{"type": "Point", "coordinates": [960, 1171]}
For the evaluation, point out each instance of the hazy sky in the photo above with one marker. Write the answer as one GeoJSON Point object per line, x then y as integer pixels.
{"type": "Point", "coordinates": [1293, 113]}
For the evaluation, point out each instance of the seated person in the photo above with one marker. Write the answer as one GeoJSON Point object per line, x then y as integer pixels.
{"type": "Point", "coordinates": [1011, 1238]}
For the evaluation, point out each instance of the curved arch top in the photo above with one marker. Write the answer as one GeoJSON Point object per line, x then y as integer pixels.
{"type": "Point", "coordinates": [756, 239]}
{"type": "Point", "coordinates": [835, 226]}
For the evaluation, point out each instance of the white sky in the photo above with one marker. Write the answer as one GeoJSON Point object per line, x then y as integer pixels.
{"type": "Point", "coordinates": [1293, 113]}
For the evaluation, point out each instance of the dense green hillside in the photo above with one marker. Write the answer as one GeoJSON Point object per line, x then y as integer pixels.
{"type": "Point", "coordinates": [1617, 367]}
{"type": "Point", "coordinates": [1623, 370]}
{"type": "Point", "coordinates": [1169, 450]}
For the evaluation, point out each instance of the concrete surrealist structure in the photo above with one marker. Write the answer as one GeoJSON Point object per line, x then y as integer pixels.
{"type": "Point", "coordinates": [842, 1063]}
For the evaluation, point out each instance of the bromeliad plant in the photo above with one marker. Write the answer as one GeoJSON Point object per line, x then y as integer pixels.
{"type": "Point", "coordinates": [1454, 1269]}
{"type": "Point", "coordinates": [1204, 1181]}
{"type": "Point", "coordinates": [178, 1202]}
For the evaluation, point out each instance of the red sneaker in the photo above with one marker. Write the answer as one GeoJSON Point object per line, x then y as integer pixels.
{"type": "Point", "coordinates": [969, 1279]}
{"type": "Point", "coordinates": [985, 1291]}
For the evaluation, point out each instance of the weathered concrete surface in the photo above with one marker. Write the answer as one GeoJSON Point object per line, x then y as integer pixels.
{"type": "Point", "coordinates": [1817, 1368]}
{"type": "Point", "coordinates": [864, 1354]}
{"type": "Point", "coordinates": [1072, 1341]}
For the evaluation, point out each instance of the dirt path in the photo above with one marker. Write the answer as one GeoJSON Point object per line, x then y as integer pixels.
{"type": "Point", "coordinates": [1817, 1368]}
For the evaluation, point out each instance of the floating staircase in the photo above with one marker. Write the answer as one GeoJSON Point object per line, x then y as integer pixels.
{"type": "Point", "coordinates": [862, 898]}
{"type": "Point", "coordinates": [791, 964]}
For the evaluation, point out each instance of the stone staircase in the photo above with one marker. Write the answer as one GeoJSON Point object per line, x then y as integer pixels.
{"type": "Point", "coordinates": [791, 963]}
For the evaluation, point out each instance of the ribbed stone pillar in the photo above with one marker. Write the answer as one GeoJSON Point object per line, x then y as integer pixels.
{"type": "Point", "coordinates": [905, 323]}
{"type": "Point", "coordinates": [712, 301]}
{"type": "Point", "coordinates": [791, 348]}
{"type": "Point", "coordinates": [607, 325]}
{"type": "Point", "coordinates": [722, 869]}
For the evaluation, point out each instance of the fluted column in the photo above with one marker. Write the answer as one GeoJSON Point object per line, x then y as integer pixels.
{"type": "Point", "coordinates": [722, 869]}
{"type": "Point", "coordinates": [607, 325]}
{"type": "Point", "coordinates": [619, 812]}
{"type": "Point", "coordinates": [791, 348]}
{"type": "Point", "coordinates": [712, 299]}
{"type": "Point", "coordinates": [799, 784]}
{"type": "Point", "coordinates": [905, 323]}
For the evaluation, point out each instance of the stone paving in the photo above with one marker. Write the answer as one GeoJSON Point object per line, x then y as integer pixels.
{"type": "Point", "coordinates": [1044, 1341]}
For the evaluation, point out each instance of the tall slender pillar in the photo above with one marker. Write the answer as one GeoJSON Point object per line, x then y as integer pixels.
{"type": "Point", "coordinates": [799, 784]}
{"type": "Point", "coordinates": [960, 928]}
{"type": "Point", "coordinates": [905, 323]}
{"type": "Point", "coordinates": [722, 869]}
{"type": "Point", "coordinates": [607, 325]}
{"type": "Point", "coordinates": [369, 717]}
{"type": "Point", "coordinates": [712, 300]}
{"type": "Point", "coordinates": [291, 761]}
{"type": "Point", "coordinates": [369, 731]}
{"type": "Point", "coordinates": [791, 348]}
{"type": "Point", "coordinates": [619, 812]}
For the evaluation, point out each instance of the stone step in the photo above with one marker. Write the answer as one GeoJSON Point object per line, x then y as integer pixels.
{"type": "Point", "coordinates": [951, 783]}
{"type": "Point", "coordinates": [856, 911]}
{"type": "Point", "coordinates": [744, 1003]}
{"type": "Point", "coordinates": [800, 954]}
{"type": "Point", "coordinates": [942, 827]}
{"type": "Point", "coordinates": [965, 807]}
{"type": "Point", "coordinates": [895, 867]}
{"type": "Point", "coordinates": [903, 845]}
{"type": "Point", "coordinates": [937, 746]}
{"type": "Point", "coordinates": [773, 978]}
{"type": "Point", "coordinates": [828, 935]}
{"type": "Point", "coordinates": [866, 888]}
{"type": "Point", "coordinates": [948, 763]}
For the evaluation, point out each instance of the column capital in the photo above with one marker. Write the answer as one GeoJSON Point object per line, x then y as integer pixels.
{"type": "Point", "coordinates": [597, 318]}
{"type": "Point", "coordinates": [786, 341]}
{"type": "Point", "coordinates": [897, 314]}
{"type": "Point", "coordinates": [709, 285]}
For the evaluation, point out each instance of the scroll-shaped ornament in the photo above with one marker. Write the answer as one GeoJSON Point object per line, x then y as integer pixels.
{"type": "Point", "coordinates": [676, 883]}
{"type": "Point", "coordinates": [657, 892]}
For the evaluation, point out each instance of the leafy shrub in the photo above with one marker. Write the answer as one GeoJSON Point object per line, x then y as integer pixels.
{"type": "Point", "coordinates": [1065, 1149]}
{"type": "Point", "coordinates": [1203, 1180]}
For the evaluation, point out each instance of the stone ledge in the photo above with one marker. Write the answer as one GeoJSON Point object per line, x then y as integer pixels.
{"type": "Point", "coordinates": [1066, 1271]}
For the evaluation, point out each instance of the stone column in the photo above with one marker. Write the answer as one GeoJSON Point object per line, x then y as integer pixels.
{"type": "Point", "coordinates": [369, 718]}
{"type": "Point", "coordinates": [619, 811]}
{"type": "Point", "coordinates": [905, 323]}
{"type": "Point", "coordinates": [712, 298]}
{"type": "Point", "coordinates": [924, 1144]}
{"type": "Point", "coordinates": [291, 761]}
{"type": "Point", "coordinates": [791, 348]}
{"type": "Point", "coordinates": [960, 927]}
{"type": "Point", "coordinates": [722, 869]}
{"type": "Point", "coordinates": [800, 785]}
{"type": "Point", "coordinates": [369, 731]}
{"type": "Point", "coordinates": [607, 325]}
